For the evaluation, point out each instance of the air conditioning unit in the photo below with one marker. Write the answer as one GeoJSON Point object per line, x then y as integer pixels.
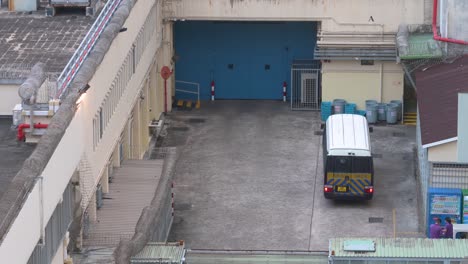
{"type": "Point", "coordinates": [155, 127]}
{"type": "Point", "coordinates": [309, 88]}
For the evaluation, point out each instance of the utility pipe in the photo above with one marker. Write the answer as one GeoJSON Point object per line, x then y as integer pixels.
{"type": "Point", "coordinates": [165, 95]}
{"type": "Point", "coordinates": [20, 136]}
{"type": "Point", "coordinates": [435, 32]}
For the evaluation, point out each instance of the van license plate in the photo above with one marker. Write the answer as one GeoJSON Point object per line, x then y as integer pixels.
{"type": "Point", "coordinates": [342, 189]}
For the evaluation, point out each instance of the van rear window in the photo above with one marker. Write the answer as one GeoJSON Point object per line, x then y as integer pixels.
{"type": "Point", "coordinates": [349, 164]}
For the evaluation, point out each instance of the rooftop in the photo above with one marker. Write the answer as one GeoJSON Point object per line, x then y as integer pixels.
{"type": "Point", "coordinates": [438, 88]}
{"type": "Point", "coordinates": [403, 248]}
{"type": "Point", "coordinates": [28, 38]}
{"type": "Point", "coordinates": [13, 154]}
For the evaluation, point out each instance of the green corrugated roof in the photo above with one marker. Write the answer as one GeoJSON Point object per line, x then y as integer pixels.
{"type": "Point", "coordinates": [405, 248]}
{"type": "Point", "coordinates": [160, 252]}
{"type": "Point", "coordinates": [422, 46]}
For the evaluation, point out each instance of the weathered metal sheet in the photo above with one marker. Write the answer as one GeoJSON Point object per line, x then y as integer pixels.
{"type": "Point", "coordinates": [160, 253]}
{"type": "Point", "coordinates": [404, 248]}
{"type": "Point", "coordinates": [462, 144]}
{"type": "Point", "coordinates": [438, 88]}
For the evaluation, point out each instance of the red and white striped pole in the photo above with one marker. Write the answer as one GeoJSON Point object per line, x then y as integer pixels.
{"type": "Point", "coordinates": [285, 85]}
{"type": "Point", "coordinates": [212, 90]}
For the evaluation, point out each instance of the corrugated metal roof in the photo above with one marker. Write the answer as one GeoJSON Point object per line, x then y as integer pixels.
{"type": "Point", "coordinates": [438, 88]}
{"type": "Point", "coordinates": [255, 257]}
{"type": "Point", "coordinates": [422, 46]}
{"type": "Point", "coordinates": [155, 252]}
{"type": "Point", "coordinates": [422, 248]}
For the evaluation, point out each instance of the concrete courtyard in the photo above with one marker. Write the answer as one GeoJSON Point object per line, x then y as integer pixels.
{"type": "Point", "coordinates": [250, 177]}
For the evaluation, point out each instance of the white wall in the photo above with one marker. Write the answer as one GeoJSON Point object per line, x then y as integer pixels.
{"type": "Point", "coordinates": [336, 15]}
{"type": "Point", "coordinates": [24, 233]}
{"type": "Point", "coordinates": [453, 17]}
{"type": "Point", "coordinates": [462, 127]}
{"type": "Point", "coordinates": [8, 98]}
{"type": "Point", "coordinates": [443, 153]}
{"type": "Point", "coordinates": [77, 142]}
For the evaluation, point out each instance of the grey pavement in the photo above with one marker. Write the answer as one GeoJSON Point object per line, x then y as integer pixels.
{"type": "Point", "coordinates": [12, 152]}
{"type": "Point", "coordinates": [250, 177]}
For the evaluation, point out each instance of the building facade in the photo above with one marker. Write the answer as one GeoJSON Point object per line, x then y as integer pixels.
{"type": "Point", "coordinates": [246, 49]}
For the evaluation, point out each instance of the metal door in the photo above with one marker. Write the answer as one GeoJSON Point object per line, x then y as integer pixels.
{"type": "Point", "coordinates": [305, 88]}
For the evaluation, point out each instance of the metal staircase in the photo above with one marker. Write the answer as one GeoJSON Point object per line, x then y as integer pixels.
{"type": "Point", "coordinates": [410, 118]}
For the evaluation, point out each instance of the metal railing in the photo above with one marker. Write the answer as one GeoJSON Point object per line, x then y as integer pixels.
{"type": "Point", "coordinates": [86, 46]}
{"type": "Point", "coordinates": [449, 175]}
{"type": "Point", "coordinates": [197, 92]}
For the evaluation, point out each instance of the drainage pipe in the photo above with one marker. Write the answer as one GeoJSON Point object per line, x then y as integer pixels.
{"type": "Point", "coordinates": [435, 32]}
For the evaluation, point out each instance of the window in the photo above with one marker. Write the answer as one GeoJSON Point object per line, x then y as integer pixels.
{"type": "Point", "coordinates": [362, 164]}
{"type": "Point", "coordinates": [342, 164]}
{"type": "Point", "coordinates": [101, 123]}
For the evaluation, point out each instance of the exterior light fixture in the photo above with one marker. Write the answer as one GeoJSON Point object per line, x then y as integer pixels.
{"type": "Point", "coordinates": [84, 89]}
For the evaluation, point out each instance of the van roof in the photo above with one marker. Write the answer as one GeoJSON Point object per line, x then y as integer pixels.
{"type": "Point", "coordinates": [347, 133]}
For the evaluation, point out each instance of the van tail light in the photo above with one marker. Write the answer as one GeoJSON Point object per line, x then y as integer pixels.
{"type": "Point", "coordinates": [369, 189]}
{"type": "Point", "coordinates": [328, 188]}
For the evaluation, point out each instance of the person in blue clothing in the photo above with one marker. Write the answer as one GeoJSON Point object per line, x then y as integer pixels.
{"type": "Point", "coordinates": [435, 229]}
{"type": "Point", "coordinates": [448, 228]}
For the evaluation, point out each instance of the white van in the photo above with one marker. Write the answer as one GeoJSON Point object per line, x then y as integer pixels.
{"type": "Point", "coordinates": [348, 165]}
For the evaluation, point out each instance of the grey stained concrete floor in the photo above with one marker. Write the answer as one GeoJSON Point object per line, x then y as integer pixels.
{"type": "Point", "coordinates": [250, 177]}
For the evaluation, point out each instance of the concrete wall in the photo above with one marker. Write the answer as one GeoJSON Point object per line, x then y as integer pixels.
{"type": "Point", "coordinates": [25, 231]}
{"type": "Point", "coordinates": [22, 5]}
{"type": "Point", "coordinates": [443, 153]}
{"type": "Point", "coordinates": [335, 15]}
{"type": "Point", "coordinates": [356, 83]}
{"type": "Point", "coordinates": [156, 219]}
{"type": "Point", "coordinates": [8, 98]}
{"type": "Point", "coordinates": [453, 16]}
{"type": "Point", "coordinates": [462, 127]}
{"type": "Point", "coordinates": [60, 255]}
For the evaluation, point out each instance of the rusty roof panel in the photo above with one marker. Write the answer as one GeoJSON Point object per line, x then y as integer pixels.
{"type": "Point", "coordinates": [438, 89]}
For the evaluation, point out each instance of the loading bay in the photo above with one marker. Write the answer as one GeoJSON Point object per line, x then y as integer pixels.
{"type": "Point", "coordinates": [250, 177]}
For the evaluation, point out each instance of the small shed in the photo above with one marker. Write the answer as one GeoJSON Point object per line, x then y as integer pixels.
{"type": "Point", "coordinates": [161, 253]}
{"type": "Point", "coordinates": [397, 250]}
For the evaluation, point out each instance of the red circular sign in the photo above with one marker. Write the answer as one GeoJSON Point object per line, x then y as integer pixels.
{"type": "Point", "coordinates": [165, 72]}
